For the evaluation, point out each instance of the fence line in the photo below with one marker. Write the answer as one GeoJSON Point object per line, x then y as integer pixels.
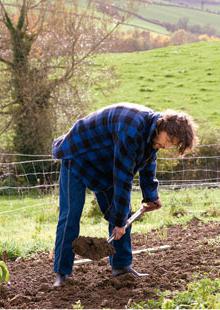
{"type": "Point", "coordinates": [17, 210]}
{"type": "Point", "coordinates": [28, 162]}
{"type": "Point", "coordinates": [50, 156]}
{"type": "Point", "coordinates": [43, 173]}
{"type": "Point", "coordinates": [188, 157]}
{"type": "Point", "coordinates": [21, 209]}
{"type": "Point", "coordinates": [25, 155]}
{"type": "Point", "coordinates": [29, 187]}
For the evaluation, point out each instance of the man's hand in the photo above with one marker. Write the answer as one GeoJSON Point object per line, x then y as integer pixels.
{"type": "Point", "coordinates": [118, 232]}
{"type": "Point", "coordinates": [152, 205]}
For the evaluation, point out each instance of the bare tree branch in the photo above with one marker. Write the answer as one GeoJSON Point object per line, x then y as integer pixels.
{"type": "Point", "coordinates": [21, 20]}
{"type": "Point", "coordinates": [4, 113]}
{"type": "Point", "coordinates": [69, 71]}
{"type": "Point", "coordinates": [7, 62]}
{"type": "Point", "coordinates": [6, 19]}
{"type": "Point", "coordinates": [95, 47]}
{"type": "Point", "coordinates": [41, 18]}
{"type": "Point", "coordinates": [35, 6]}
{"type": "Point", "coordinates": [2, 106]}
{"type": "Point", "coordinates": [7, 125]}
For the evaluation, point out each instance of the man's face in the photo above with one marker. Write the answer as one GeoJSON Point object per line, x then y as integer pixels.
{"type": "Point", "coordinates": [163, 141]}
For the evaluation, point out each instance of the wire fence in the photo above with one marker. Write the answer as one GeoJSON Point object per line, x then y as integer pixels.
{"type": "Point", "coordinates": [41, 172]}
{"type": "Point", "coordinates": [24, 175]}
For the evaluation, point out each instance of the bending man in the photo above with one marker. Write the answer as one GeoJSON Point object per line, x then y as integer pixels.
{"type": "Point", "coordinates": [103, 152]}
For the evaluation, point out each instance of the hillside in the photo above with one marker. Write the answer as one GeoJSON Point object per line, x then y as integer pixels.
{"type": "Point", "coordinates": [156, 15]}
{"type": "Point", "coordinates": [186, 78]}
{"type": "Point", "coordinates": [161, 16]}
{"type": "Point", "coordinates": [196, 3]}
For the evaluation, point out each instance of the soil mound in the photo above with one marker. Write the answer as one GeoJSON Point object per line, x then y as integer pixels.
{"type": "Point", "coordinates": [93, 248]}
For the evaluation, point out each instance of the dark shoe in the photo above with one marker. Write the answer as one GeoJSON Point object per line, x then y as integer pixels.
{"type": "Point", "coordinates": [60, 279]}
{"type": "Point", "coordinates": [128, 269]}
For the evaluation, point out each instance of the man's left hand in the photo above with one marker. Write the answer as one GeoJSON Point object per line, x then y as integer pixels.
{"type": "Point", "coordinates": [152, 205]}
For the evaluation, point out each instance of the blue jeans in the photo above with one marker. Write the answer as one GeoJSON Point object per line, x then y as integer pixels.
{"type": "Point", "coordinates": [72, 199]}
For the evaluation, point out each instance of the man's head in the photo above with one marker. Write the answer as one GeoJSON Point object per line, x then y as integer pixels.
{"type": "Point", "coordinates": [175, 129]}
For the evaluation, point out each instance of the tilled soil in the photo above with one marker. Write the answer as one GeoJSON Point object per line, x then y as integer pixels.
{"type": "Point", "coordinates": [193, 251]}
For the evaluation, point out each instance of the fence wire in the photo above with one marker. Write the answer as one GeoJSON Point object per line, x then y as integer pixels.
{"type": "Point", "coordinates": [41, 172]}
{"type": "Point", "coordinates": [38, 176]}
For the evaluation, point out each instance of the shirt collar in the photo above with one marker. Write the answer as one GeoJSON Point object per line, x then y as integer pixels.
{"type": "Point", "coordinates": [153, 126]}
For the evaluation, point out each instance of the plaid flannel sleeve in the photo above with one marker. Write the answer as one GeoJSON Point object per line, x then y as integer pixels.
{"type": "Point", "coordinates": [148, 180]}
{"type": "Point", "coordinates": [123, 174]}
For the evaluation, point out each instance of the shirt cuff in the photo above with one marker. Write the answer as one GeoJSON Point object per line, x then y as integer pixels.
{"type": "Point", "coordinates": [119, 220]}
{"type": "Point", "coordinates": [152, 199]}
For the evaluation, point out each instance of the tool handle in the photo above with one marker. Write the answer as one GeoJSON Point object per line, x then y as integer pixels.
{"type": "Point", "coordinates": [131, 219]}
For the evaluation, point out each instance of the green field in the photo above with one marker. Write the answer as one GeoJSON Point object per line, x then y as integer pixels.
{"type": "Point", "coordinates": [135, 23]}
{"type": "Point", "coordinates": [171, 14]}
{"type": "Point", "coordinates": [185, 78]}
{"type": "Point", "coordinates": [28, 224]}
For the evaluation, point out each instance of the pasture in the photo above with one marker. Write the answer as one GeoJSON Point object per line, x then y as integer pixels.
{"type": "Point", "coordinates": [182, 77]}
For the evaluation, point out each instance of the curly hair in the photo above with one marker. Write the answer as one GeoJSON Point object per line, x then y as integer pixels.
{"type": "Point", "coordinates": [179, 126]}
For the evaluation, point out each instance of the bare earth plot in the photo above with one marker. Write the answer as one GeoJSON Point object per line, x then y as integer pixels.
{"type": "Point", "coordinates": [195, 249]}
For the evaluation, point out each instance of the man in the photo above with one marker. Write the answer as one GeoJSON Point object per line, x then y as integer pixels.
{"type": "Point", "coordinates": [103, 152]}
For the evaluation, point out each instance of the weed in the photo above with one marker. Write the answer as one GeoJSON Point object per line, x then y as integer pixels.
{"type": "Point", "coordinates": [4, 273]}
{"type": "Point", "coordinates": [46, 216]}
{"type": "Point", "coordinates": [77, 305]}
{"type": "Point", "coordinates": [214, 241]}
{"type": "Point", "coordinates": [188, 200]}
{"type": "Point", "coordinates": [173, 201]}
{"type": "Point", "coordinates": [11, 249]}
{"type": "Point", "coordinates": [162, 233]}
{"type": "Point", "coordinates": [212, 212]}
{"type": "Point", "coordinates": [37, 231]}
{"type": "Point", "coordinates": [177, 211]}
{"type": "Point", "coordinates": [203, 294]}
{"type": "Point", "coordinates": [94, 212]}
{"type": "Point", "coordinates": [168, 222]}
{"type": "Point", "coordinates": [151, 303]}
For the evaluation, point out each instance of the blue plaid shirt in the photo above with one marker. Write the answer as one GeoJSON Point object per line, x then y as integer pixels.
{"type": "Point", "coordinates": [108, 147]}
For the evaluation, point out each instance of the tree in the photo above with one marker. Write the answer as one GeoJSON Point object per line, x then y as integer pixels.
{"type": "Point", "coordinates": [46, 55]}
{"type": "Point", "coordinates": [183, 23]}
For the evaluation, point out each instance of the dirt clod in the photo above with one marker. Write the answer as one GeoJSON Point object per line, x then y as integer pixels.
{"type": "Point", "coordinates": [93, 248]}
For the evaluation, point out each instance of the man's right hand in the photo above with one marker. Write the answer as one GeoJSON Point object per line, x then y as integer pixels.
{"type": "Point", "coordinates": [118, 232]}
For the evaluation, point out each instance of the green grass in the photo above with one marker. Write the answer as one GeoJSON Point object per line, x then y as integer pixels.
{"type": "Point", "coordinates": [201, 294]}
{"type": "Point", "coordinates": [28, 224]}
{"type": "Point", "coordinates": [143, 25]}
{"type": "Point", "coordinates": [183, 77]}
{"type": "Point", "coordinates": [173, 14]}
